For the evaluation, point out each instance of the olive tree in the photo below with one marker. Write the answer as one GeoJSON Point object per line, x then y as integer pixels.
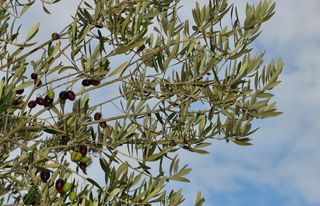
{"type": "Point", "coordinates": [173, 83]}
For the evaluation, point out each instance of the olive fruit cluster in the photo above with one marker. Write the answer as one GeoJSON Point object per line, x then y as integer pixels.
{"type": "Point", "coordinates": [80, 157]}
{"type": "Point", "coordinates": [88, 82]}
{"type": "Point", "coordinates": [65, 187]}
{"type": "Point", "coordinates": [97, 116]}
{"type": "Point", "coordinates": [18, 100]}
{"type": "Point", "coordinates": [61, 185]}
{"type": "Point", "coordinates": [64, 95]}
{"type": "Point", "coordinates": [46, 101]}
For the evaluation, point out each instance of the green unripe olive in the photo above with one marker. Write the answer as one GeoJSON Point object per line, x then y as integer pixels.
{"type": "Point", "coordinates": [72, 196]}
{"type": "Point", "coordinates": [85, 160]}
{"type": "Point", "coordinates": [51, 94]}
{"type": "Point", "coordinates": [76, 156]}
{"type": "Point", "coordinates": [67, 187]}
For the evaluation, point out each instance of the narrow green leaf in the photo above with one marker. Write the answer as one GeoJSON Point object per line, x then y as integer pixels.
{"type": "Point", "coordinates": [199, 199]}
{"type": "Point", "coordinates": [203, 144]}
{"type": "Point", "coordinates": [184, 172]}
{"type": "Point", "coordinates": [1, 88]}
{"type": "Point", "coordinates": [94, 183]}
{"type": "Point", "coordinates": [242, 143]}
{"type": "Point", "coordinates": [119, 69]}
{"type": "Point", "coordinates": [179, 179]}
{"type": "Point", "coordinates": [114, 192]}
{"type": "Point", "coordinates": [32, 32]}
{"type": "Point", "coordinates": [270, 114]}
{"type": "Point", "coordinates": [23, 85]}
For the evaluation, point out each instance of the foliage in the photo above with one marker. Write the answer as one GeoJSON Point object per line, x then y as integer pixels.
{"type": "Point", "coordinates": [181, 85]}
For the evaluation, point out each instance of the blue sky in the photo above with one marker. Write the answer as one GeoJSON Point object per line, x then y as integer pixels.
{"type": "Point", "coordinates": [282, 168]}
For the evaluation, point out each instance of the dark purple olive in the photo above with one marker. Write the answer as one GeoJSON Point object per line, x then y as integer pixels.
{"type": "Point", "coordinates": [34, 76]}
{"type": "Point", "coordinates": [71, 95]}
{"type": "Point", "coordinates": [59, 185]}
{"type": "Point", "coordinates": [86, 82]}
{"type": "Point", "coordinates": [97, 116]}
{"type": "Point", "coordinates": [47, 101]}
{"type": "Point", "coordinates": [103, 124]}
{"type": "Point", "coordinates": [40, 100]}
{"type": "Point", "coordinates": [15, 102]}
{"type": "Point", "coordinates": [45, 175]}
{"type": "Point", "coordinates": [32, 104]}
{"type": "Point", "coordinates": [63, 95]}
{"type": "Point", "coordinates": [83, 150]}
{"type": "Point", "coordinates": [83, 167]}
{"type": "Point", "coordinates": [95, 82]}
{"type": "Point", "coordinates": [20, 91]}
{"type": "Point", "coordinates": [55, 36]}
{"type": "Point", "coordinates": [99, 26]}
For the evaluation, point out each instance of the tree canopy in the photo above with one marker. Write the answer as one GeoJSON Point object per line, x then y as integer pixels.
{"type": "Point", "coordinates": [173, 83]}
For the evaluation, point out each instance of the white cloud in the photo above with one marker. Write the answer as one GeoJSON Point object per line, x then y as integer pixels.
{"type": "Point", "coordinates": [294, 20]}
